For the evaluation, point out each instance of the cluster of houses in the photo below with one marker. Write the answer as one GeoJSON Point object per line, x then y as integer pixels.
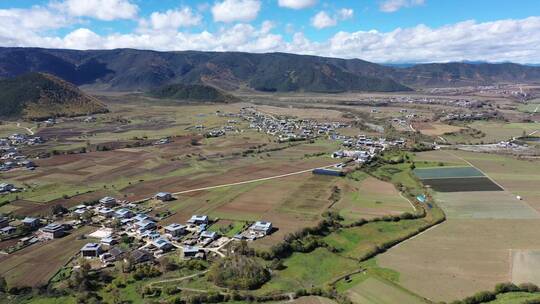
{"type": "Point", "coordinates": [470, 116]}
{"type": "Point", "coordinates": [432, 100]}
{"type": "Point", "coordinates": [288, 129]}
{"type": "Point", "coordinates": [6, 188]}
{"type": "Point", "coordinates": [192, 238]}
{"type": "Point", "coordinates": [362, 148]}
{"type": "Point", "coordinates": [11, 157]}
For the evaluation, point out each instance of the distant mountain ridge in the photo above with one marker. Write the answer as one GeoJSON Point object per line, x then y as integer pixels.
{"type": "Point", "coordinates": [38, 96]}
{"type": "Point", "coordinates": [143, 70]}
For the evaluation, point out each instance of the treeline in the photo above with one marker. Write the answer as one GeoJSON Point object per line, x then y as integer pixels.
{"type": "Point", "coordinates": [502, 288]}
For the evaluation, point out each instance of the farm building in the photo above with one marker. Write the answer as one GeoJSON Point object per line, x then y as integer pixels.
{"type": "Point", "coordinates": [6, 187]}
{"type": "Point", "coordinates": [209, 235]}
{"type": "Point", "coordinates": [175, 230]}
{"type": "Point", "coordinates": [141, 217]}
{"type": "Point", "coordinates": [141, 256]}
{"type": "Point", "coordinates": [4, 221]}
{"type": "Point", "coordinates": [164, 196]}
{"type": "Point", "coordinates": [109, 241]}
{"type": "Point", "coordinates": [116, 253]}
{"type": "Point", "coordinates": [328, 172]}
{"type": "Point", "coordinates": [7, 230]}
{"type": "Point", "coordinates": [162, 244]}
{"type": "Point", "coordinates": [106, 212]}
{"type": "Point", "coordinates": [81, 212]}
{"type": "Point", "coordinates": [261, 227]}
{"type": "Point", "coordinates": [108, 202]}
{"type": "Point", "coordinates": [190, 252]}
{"type": "Point", "coordinates": [150, 235]}
{"type": "Point", "coordinates": [145, 225]}
{"type": "Point", "coordinates": [198, 219]}
{"type": "Point", "coordinates": [91, 250]}
{"type": "Point", "coordinates": [123, 213]}
{"type": "Point", "coordinates": [31, 222]}
{"type": "Point", "coordinates": [52, 231]}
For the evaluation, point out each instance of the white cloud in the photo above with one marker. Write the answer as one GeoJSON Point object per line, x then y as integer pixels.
{"type": "Point", "coordinates": [390, 6]}
{"type": "Point", "coordinates": [100, 9]}
{"type": "Point", "coordinates": [236, 10]}
{"type": "Point", "coordinates": [346, 13]}
{"type": "Point", "coordinates": [323, 20]}
{"type": "Point", "coordinates": [502, 40]}
{"type": "Point", "coordinates": [34, 18]}
{"type": "Point", "coordinates": [171, 19]}
{"type": "Point", "coordinates": [297, 4]}
{"type": "Point", "coordinates": [82, 38]}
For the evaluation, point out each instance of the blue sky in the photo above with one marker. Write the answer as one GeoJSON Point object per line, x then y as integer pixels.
{"type": "Point", "coordinates": [376, 30]}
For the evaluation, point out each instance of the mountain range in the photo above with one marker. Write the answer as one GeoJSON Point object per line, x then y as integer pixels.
{"type": "Point", "coordinates": [144, 70]}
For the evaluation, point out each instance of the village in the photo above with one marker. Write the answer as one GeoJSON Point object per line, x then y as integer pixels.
{"type": "Point", "coordinates": [10, 155]}
{"type": "Point", "coordinates": [123, 231]}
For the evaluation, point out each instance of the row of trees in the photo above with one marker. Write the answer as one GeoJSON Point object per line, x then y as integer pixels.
{"type": "Point", "coordinates": [502, 288]}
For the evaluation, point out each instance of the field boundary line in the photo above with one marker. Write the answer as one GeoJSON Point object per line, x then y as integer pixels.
{"type": "Point", "coordinates": [470, 164]}
{"type": "Point", "coordinates": [417, 235]}
{"type": "Point", "coordinates": [251, 181]}
{"type": "Point", "coordinates": [510, 264]}
{"type": "Point", "coordinates": [408, 200]}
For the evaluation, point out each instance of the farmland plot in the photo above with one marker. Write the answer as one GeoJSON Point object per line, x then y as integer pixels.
{"type": "Point", "coordinates": [370, 198]}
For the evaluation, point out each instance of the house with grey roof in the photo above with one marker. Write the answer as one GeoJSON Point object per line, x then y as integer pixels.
{"type": "Point", "coordinates": [31, 222]}
{"type": "Point", "coordinates": [108, 201]}
{"type": "Point", "coordinates": [52, 231]}
{"type": "Point", "coordinates": [198, 219]}
{"type": "Point", "coordinates": [261, 227]}
{"type": "Point", "coordinates": [175, 230]}
{"type": "Point", "coordinates": [91, 250]}
{"type": "Point", "coordinates": [164, 196]}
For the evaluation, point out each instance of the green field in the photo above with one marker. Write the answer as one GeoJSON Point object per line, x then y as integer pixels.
{"type": "Point", "coordinates": [306, 270]}
{"type": "Point", "coordinates": [363, 196]}
{"type": "Point", "coordinates": [447, 172]}
{"type": "Point", "coordinates": [357, 241]}
{"type": "Point", "coordinates": [515, 298]}
{"type": "Point", "coordinates": [532, 106]}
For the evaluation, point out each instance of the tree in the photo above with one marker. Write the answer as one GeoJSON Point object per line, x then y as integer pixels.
{"type": "Point", "coordinates": [238, 272]}
{"type": "Point", "coordinates": [3, 284]}
{"type": "Point", "coordinates": [59, 209]}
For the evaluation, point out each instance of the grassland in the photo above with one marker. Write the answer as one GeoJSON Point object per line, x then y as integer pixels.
{"type": "Point", "coordinates": [356, 242]}
{"type": "Point", "coordinates": [307, 270]}
{"type": "Point", "coordinates": [515, 298]}
{"type": "Point", "coordinates": [367, 197]}
{"type": "Point", "coordinates": [493, 132]}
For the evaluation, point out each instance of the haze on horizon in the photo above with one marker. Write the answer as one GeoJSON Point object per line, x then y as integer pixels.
{"type": "Point", "coordinates": [384, 31]}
